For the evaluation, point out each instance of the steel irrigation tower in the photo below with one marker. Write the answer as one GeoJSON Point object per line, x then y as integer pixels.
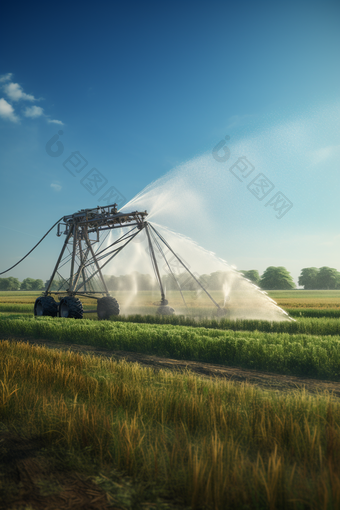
{"type": "Point", "coordinates": [82, 233]}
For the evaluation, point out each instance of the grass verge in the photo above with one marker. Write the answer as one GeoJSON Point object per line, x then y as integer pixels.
{"type": "Point", "coordinates": [205, 444]}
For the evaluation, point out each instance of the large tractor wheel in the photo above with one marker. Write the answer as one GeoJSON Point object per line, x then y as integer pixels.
{"type": "Point", "coordinates": [71, 308]}
{"type": "Point", "coordinates": [45, 306]}
{"type": "Point", "coordinates": [107, 306]}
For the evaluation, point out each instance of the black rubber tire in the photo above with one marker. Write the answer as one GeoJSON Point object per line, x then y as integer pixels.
{"type": "Point", "coordinates": [45, 306]}
{"type": "Point", "coordinates": [107, 306]}
{"type": "Point", "coordinates": [165, 310]}
{"type": "Point", "coordinates": [71, 308]}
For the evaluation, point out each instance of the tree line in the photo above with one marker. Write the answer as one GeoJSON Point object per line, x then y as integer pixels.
{"type": "Point", "coordinates": [273, 278]}
{"type": "Point", "coordinates": [11, 283]}
{"type": "Point", "coordinates": [311, 278]}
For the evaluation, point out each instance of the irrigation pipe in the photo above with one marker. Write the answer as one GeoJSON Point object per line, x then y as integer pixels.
{"type": "Point", "coordinates": [23, 258]}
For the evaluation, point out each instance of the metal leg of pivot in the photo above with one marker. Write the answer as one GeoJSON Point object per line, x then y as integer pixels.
{"type": "Point", "coordinates": [155, 266]}
{"type": "Point", "coordinates": [185, 267]}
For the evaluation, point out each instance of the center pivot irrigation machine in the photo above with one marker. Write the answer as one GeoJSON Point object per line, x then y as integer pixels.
{"type": "Point", "coordinates": [83, 250]}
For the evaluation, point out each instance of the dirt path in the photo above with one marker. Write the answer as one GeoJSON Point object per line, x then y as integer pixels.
{"type": "Point", "coordinates": [31, 480]}
{"type": "Point", "coordinates": [264, 380]}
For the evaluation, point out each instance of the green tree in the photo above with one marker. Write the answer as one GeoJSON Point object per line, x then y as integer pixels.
{"type": "Point", "coordinates": [38, 284]}
{"type": "Point", "coordinates": [56, 284]}
{"type": "Point", "coordinates": [27, 283]}
{"type": "Point", "coordinates": [276, 278]}
{"type": "Point", "coordinates": [32, 284]}
{"type": "Point", "coordinates": [9, 283]}
{"type": "Point", "coordinates": [252, 275]}
{"type": "Point", "coordinates": [308, 278]}
{"type": "Point", "coordinates": [129, 282]}
{"type": "Point", "coordinates": [327, 278]}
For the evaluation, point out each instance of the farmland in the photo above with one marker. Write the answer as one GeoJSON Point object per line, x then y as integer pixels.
{"type": "Point", "coordinates": [138, 436]}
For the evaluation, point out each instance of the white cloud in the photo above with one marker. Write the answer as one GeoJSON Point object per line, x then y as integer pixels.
{"type": "Point", "coordinates": [5, 77]}
{"type": "Point", "coordinates": [56, 186]}
{"type": "Point", "coordinates": [33, 111]}
{"type": "Point", "coordinates": [321, 155]}
{"type": "Point", "coordinates": [15, 92]}
{"type": "Point", "coordinates": [7, 111]}
{"type": "Point", "coordinates": [55, 122]}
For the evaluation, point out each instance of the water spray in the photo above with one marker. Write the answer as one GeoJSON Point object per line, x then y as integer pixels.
{"type": "Point", "coordinates": [82, 234]}
{"type": "Point", "coordinates": [86, 251]}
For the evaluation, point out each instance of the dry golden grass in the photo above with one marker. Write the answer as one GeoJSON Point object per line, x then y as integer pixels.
{"type": "Point", "coordinates": [214, 444]}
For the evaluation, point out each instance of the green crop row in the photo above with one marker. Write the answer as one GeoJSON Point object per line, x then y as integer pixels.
{"type": "Point", "coordinates": [300, 354]}
{"type": "Point", "coordinates": [314, 312]}
{"type": "Point", "coordinates": [309, 321]}
{"type": "Point", "coordinates": [304, 325]}
{"type": "Point", "coordinates": [16, 307]}
{"type": "Point", "coordinates": [27, 307]}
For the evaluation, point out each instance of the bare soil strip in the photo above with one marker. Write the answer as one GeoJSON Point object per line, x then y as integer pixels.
{"type": "Point", "coordinates": [30, 480]}
{"type": "Point", "coordinates": [263, 380]}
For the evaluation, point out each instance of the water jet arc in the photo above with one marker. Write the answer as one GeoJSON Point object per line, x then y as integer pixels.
{"type": "Point", "coordinates": [82, 231]}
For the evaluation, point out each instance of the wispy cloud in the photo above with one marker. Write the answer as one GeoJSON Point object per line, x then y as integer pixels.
{"type": "Point", "coordinates": [5, 77]}
{"type": "Point", "coordinates": [7, 111]}
{"type": "Point", "coordinates": [16, 93]}
{"type": "Point", "coordinates": [50, 121]}
{"type": "Point", "coordinates": [56, 186]}
{"type": "Point", "coordinates": [325, 153]}
{"type": "Point", "coordinates": [34, 111]}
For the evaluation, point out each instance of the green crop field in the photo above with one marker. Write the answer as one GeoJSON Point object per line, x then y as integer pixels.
{"type": "Point", "coordinates": [146, 439]}
{"type": "Point", "coordinates": [306, 298]}
{"type": "Point", "coordinates": [308, 345]}
{"type": "Point", "coordinates": [246, 346]}
{"type": "Point", "coordinates": [318, 299]}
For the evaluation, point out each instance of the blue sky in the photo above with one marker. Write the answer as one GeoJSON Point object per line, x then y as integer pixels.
{"type": "Point", "coordinates": [140, 89]}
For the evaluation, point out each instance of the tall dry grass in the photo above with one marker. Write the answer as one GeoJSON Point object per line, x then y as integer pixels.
{"type": "Point", "coordinates": [213, 444]}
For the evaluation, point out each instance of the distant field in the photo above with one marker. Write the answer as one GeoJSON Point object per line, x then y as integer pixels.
{"type": "Point", "coordinates": [304, 294]}
{"type": "Point", "coordinates": [145, 302]}
{"type": "Point", "coordinates": [18, 297]}
{"type": "Point", "coordinates": [306, 298]}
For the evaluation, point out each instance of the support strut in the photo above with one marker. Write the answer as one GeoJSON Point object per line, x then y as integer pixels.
{"type": "Point", "coordinates": [185, 267]}
{"type": "Point", "coordinates": [155, 266]}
